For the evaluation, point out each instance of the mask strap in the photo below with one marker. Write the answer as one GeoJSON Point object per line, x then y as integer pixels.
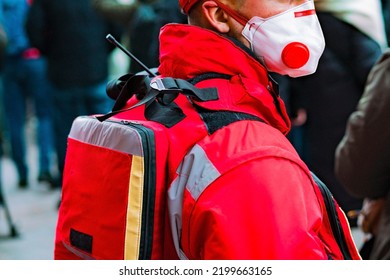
{"type": "Point", "coordinates": [241, 19]}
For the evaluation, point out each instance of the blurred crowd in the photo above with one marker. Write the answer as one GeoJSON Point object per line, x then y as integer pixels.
{"type": "Point", "coordinates": [55, 66]}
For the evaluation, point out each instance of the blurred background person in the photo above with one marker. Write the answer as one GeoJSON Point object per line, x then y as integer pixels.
{"type": "Point", "coordinates": [320, 104]}
{"type": "Point", "coordinates": [26, 93]}
{"type": "Point", "coordinates": [71, 35]}
{"type": "Point", "coordinates": [362, 159]}
{"type": "Point", "coordinates": [142, 20]}
{"type": "Point", "coordinates": [3, 38]}
{"type": "Point", "coordinates": [3, 44]}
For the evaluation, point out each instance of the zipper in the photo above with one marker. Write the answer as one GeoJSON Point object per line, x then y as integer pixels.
{"type": "Point", "coordinates": [149, 190]}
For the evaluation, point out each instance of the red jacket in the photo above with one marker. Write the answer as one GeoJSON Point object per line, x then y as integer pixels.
{"type": "Point", "coordinates": [243, 192]}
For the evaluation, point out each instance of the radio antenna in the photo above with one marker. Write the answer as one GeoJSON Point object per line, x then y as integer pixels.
{"type": "Point", "coordinates": [113, 41]}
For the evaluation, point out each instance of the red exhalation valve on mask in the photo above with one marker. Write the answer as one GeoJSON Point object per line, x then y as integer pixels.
{"type": "Point", "coordinates": [295, 55]}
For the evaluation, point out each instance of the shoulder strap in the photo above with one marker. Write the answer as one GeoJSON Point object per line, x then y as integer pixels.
{"type": "Point", "coordinates": [337, 230]}
{"type": "Point", "coordinates": [215, 120]}
{"type": "Point", "coordinates": [158, 94]}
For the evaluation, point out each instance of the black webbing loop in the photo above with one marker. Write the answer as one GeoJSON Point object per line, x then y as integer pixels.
{"type": "Point", "coordinates": [158, 94]}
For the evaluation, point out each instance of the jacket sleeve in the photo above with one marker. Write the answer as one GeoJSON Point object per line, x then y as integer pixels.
{"type": "Point", "coordinates": [362, 159]}
{"type": "Point", "coordinates": [263, 209]}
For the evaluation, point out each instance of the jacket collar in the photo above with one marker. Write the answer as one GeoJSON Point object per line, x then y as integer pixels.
{"type": "Point", "coordinates": [189, 51]}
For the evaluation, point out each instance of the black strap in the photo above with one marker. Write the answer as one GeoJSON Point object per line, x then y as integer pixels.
{"type": "Point", "coordinates": [215, 120]}
{"type": "Point", "coordinates": [330, 206]}
{"type": "Point", "coordinates": [208, 76]}
{"type": "Point", "coordinates": [158, 94]}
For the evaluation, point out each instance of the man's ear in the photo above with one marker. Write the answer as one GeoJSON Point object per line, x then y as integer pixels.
{"type": "Point", "coordinates": [215, 16]}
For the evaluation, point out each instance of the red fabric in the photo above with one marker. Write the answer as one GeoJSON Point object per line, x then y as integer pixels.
{"type": "Point", "coordinates": [86, 191]}
{"type": "Point", "coordinates": [263, 206]}
{"type": "Point", "coordinates": [271, 213]}
{"type": "Point", "coordinates": [187, 51]}
{"type": "Point", "coordinates": [248, 89]}
{"type": "Point", "coordinates": [260, 170]}
{"type": "Point", "coordinates": [31, 53]}
{"type": "Point", "coordinates": [181, 137]}
{"type": "Point", "coordinates": [106, 223]}
{"type": "Point", "coordinates": [186, 5]}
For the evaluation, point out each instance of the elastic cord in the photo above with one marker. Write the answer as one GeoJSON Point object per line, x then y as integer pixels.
{"type": "Point", "coordinates": [241, 19]}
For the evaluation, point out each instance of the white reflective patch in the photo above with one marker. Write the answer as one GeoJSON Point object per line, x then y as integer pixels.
{"type": "Point", "coordinates": [108, 134]}
{"type": "Point", "coordinates": [196, 172]}
{"type": "Point", "coordinates": [201, 171]}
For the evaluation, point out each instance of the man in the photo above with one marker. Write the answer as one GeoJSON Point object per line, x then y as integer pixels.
{"type": "Point", "coordinates": [362, 158]}
{"type": "Point", "coordinates": [236, 187]}
{"type": "Point", "coordinates": [72, 37]}
{"type": "Point", "coordinates": [247, 194]}
{"type": "Point", "coordinates": [24, 81]}
{"type": "Point", "coordinates": [3, 44]}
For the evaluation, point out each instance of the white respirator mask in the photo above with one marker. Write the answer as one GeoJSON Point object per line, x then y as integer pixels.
{"type": "Point", "coordinates": [290, 43]}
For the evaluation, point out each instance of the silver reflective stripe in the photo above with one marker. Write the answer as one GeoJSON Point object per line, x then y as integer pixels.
{"type": "Point", "coordinates": [196, 172]}
{"type": "Point", "coordinates": [108, 134]}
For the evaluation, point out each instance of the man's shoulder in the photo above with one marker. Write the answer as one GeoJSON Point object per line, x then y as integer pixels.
{"type": "Point", "coordinates": [248, 139]}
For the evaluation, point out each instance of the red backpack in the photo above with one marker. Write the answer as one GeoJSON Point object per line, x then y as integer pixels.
{"type": "Point", "coordinates": [113, 203]}
{"type": "Point", "coordinates": [119, 166]}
